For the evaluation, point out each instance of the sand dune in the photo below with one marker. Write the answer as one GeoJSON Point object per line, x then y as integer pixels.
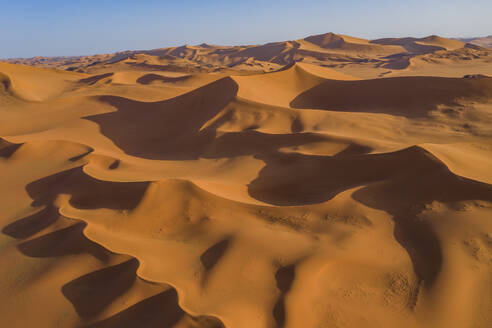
{"type": "Point", "coordinates": [280, 185]}
{"type": "Point", "coordinates": [480, 41]}
{"type": "Point", "coordinates": [408, 96]}
{"type": "Point", "coordinates": [353, 56]}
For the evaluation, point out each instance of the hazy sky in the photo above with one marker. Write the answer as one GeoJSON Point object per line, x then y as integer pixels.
{"type": "Point", "coordinates": [78, 27]}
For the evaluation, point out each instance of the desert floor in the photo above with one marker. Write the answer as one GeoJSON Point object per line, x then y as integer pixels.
{"type": "Point", "coordinates": [219, 187]}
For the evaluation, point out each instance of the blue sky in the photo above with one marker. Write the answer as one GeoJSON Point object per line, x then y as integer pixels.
{"type": "Point", "coordinates": [77, 27]}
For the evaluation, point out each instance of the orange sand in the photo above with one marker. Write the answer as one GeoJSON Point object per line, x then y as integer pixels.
{"type": "Point", "coordinates": [178, 188]}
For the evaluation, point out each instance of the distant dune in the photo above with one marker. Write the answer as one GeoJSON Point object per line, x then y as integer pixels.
{"type": "Point", "coordinates": [330, 181]}
{"type": "Point", "coordinates": [355, 56]}
{"type": "Point", "coordinates": [485, 42]}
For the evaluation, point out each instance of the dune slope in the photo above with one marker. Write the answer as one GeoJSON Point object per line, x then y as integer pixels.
{"type": "Point", "coordinates": [141, 194]}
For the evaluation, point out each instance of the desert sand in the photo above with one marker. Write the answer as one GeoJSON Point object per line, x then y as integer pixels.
{"type": "Point", "coordinates": [325, 182]}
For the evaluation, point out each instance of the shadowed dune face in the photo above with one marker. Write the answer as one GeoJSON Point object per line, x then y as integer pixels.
{"type": "Point", "coordinates": [149, 313]}
{"type": "Point", "coordinates": [211, 256]}
{"type": "Point", "coordinates": [325, 177]}
{"type": "Point", "coordinates": [285, 277]}
{"type": "Point", "coordinates": [91, 293]}
{"type": "Point", "coordinates": [329, 40]}
{"type": "Point", "coordinates": [160, 130]}
{"type": "Point", "coordinates": [30, 225]}
{"type": "Point", "coordinates": [393, 186]}
{"type": "Point", "coordinates": [6, 83]}
{"type": "Point", "coordinates": [407, 96]}
{"type": "Point", "coordinates": [254, 143]}
{"type": "Point", "coordinates": [279, 53]}
{"type": "Point", "coordinates": [419, 237]}
{"type": "Point", "coordinates": [64, 242]}
{"type": "Point", "coordinates": [94, 79]}
{"type": "Point", "coordinates": [305, 197]}
{"type": "Point", "coordinates": [149, 78]}
{"type": "Point", "coordinates": [411, 45]}
{"type": "Point", "coordinates": [7, 148]}
{"type": "Point", "coordinates": [86, 192]}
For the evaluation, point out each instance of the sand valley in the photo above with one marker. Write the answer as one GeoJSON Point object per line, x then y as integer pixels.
{"type": "Point", "coordinates": [330, 181]}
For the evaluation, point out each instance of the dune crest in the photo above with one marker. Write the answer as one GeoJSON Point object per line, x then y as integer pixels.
{"type": "Point", "coordinates": [324, 182]}
{"type": "Point", "coordinates": [350, 55]}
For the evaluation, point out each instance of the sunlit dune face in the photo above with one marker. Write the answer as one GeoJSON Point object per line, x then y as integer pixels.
{"type": "Point", "coordinates": [325, 182]}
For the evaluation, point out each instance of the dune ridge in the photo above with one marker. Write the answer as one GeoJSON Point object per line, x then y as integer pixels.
{"type": "Point", "coordinates": [143, 194]}
{"type": "Point", "coordinates": [350, 55]}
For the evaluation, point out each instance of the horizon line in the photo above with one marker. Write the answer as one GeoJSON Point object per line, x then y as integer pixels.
{"type": "Point", "coordinates": [237, 45]}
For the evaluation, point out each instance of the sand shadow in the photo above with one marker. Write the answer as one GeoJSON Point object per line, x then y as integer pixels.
{"type": "Point", "coordinates": [406, 196]}
{"type": "Point", "coordinates": [170, 129]}
{"type": "Point", "coordinates": [251, 142]}
{"type": "Point", "coordinates": [174, 129]}
{"type": "Point", "coordinates": [93, 292]}
{"type": "Point", "coordinates": [114, 165]}
{"type": "Point", "coordinates": [76, 158]}
{"type": "Point", "coordinates": [149, 78]}
{"type": "Point", "coordinates": [404, 96]}
{"type": "Point", "coordinates": [7, 149]}
{"type": "Point", "coordinates": [409, 44]}
{"type": "Point", "coordinates": [284, 277]}
{"type": "Point", "coordinates": [161, 310]}
{"type": "Point", "coordinates": [63, 242]}
{"type": "Point", "coordinates": [290, 179]}
{"type": "Point", "coordinates": [211, 257]}
{"type": "Point", "coordinates": [32, 224]}
{"type": "Point", "coordinates": [96, 78]}
{"type": "Point", "coordinates": [391, 184]}
{"type": "Point", "coordinates": [86, 192]}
